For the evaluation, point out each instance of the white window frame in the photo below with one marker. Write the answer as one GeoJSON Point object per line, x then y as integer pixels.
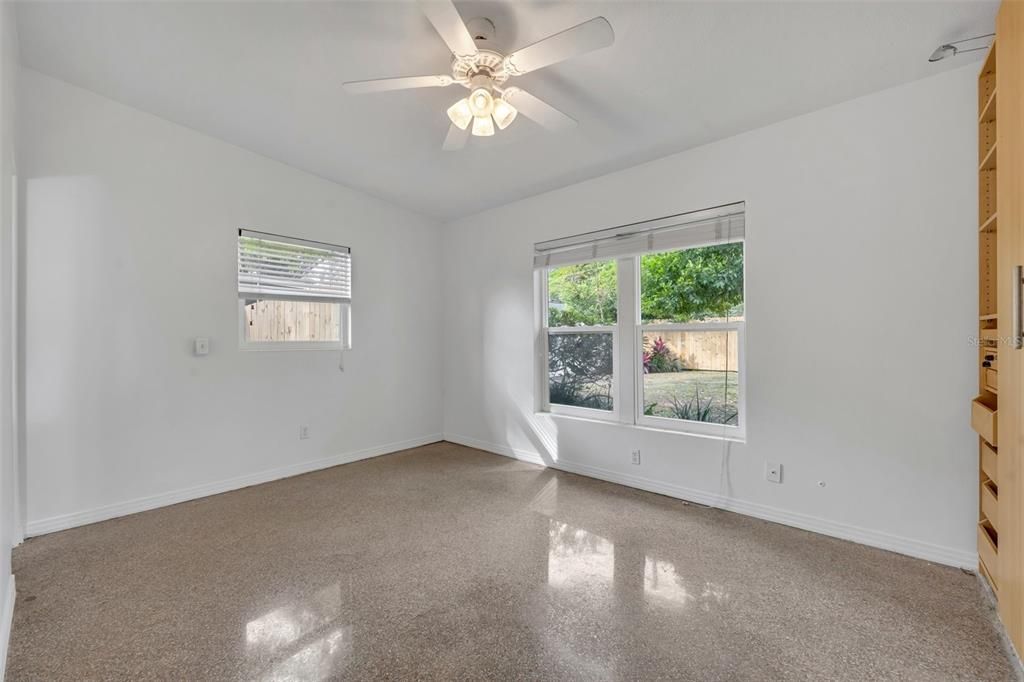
{"type": "Point", "coordinates": [572, 410]}
{"type": "Point", "coordinates": [344, 342]}
{"type": "Point", "coordinates": [627, 359]}
{"type": "Point", "coordinates": [344, 332]}
{"type": "Point", "coordinates": [726, 431]}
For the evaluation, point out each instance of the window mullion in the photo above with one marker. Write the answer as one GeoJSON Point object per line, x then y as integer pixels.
{"type": "Point", "coordinates": [543, 402]}
{"type": "Point", "coordinates": [625, 352]}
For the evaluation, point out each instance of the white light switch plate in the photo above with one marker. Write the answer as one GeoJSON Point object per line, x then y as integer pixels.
{"type": "Point", "coordinates": [201, 346]}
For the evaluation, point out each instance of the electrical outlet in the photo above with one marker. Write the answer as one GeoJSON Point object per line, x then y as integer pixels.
{"type": "Point", "coordinates": [303, 432]}
{"type": "Point", "coordinates": [636, 457]}
{"type": "Point", "coordinates": [773, 472]}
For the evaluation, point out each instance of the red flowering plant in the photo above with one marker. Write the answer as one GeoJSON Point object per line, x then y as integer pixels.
{"type": "Point", "coordinates": [660, 358]}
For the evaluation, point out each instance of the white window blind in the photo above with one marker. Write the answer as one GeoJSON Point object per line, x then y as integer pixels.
{"type": "Point", "coordinates": [273, 267]}
{"type": "Point", "coordinates": [683, 231]}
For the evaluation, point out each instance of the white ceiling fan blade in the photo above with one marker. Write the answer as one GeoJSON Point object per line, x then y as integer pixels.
{"type": "Point", "coordinates": [456, 138]}
{"type": "Point", "coordinates": [404, 83]}
{"type": "Point", "coordinates": [446, 19]}
{"type": "Point", "coordinates": [538, 110]}
{"type": "Point", "coordinates": [572, 42]}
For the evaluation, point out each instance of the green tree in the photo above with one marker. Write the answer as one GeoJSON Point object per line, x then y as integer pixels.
{"type": "Point", "coordinates": [695, 284]}
{"type": "Point", "coordinates": [582, 294]}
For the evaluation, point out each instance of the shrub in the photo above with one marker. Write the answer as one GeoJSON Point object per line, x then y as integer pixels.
{"type": "Point", "coordinates": [660, 358]}
{"type": "Point", "coordinates": [564, 393]}
{"type": "Point", "coordinates": [697, 410]}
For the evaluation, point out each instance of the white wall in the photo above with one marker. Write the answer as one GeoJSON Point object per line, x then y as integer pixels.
{"type": "Point", "coordinates": [861, 280]}
{"type": "Point", "coordinates": [9, 533]}
{"type": "Point", "coordinates": [130, 250]}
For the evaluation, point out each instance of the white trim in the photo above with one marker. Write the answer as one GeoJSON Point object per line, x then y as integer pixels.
{"type": "Point", "coordinates": [14, 439]}
{"type": "Point", "coordinates": [643, 427]}
{"type": "Point", "coordinates": [939, 554]}
{"type": "Point", "coordinates": [603, 329]}
{"type": "Point", "coordinates": [294, 241]}
{"type": "Point", "coordinates": [692, 326]}
{"type": "Point", "coordinates": [591, 413]}
{"type": "Point", "coordinates": [6, 624]}
{"type": "Point", "coordinates": [110, 511]}
{"type": "Point", "coordinates": [289, 345]}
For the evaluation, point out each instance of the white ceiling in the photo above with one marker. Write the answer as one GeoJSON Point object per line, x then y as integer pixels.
{"type": "Point", "coordinates": [266, 76]}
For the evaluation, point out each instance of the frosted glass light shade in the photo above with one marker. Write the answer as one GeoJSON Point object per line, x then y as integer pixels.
{"type": "Point", "coordinates": [504, 113]}
{"type": "Point", "coordinates": [483, 126]}
{"type": "Point", "coordinates": [481, 102]}
{"type": "Point", "coordinates": [460, 113]}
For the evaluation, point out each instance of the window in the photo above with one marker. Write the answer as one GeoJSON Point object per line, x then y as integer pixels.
{"type": "Point", "coordinates": [292, 293]}
{"type": "Point", "coordinates": [582, 305]}
{"type": "Point", "coordinates": [644, 324]}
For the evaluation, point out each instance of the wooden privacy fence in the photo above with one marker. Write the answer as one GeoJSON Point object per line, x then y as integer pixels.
{"type": "Point", "coordinates": [291, 321]}
{"type": "Point", "coordinates": [715, 350]}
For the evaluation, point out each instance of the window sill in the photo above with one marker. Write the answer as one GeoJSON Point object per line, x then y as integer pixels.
{"type": "Point", "coordinates": [333, 346]}
{"type": "Point", "coordinates": [642, 427]}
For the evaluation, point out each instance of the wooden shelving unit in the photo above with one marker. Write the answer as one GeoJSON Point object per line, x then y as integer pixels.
{"type": "Point", "coordinates": [997, 412]}
{"type": "Point", "coordinates": [985, 408]}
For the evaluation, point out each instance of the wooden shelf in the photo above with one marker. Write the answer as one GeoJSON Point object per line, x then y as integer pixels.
{"type": "Point", "coordinates": [988, 318]}
{"type": "Point", "coordinates": [988, 550]}
{"type": "Point", "coordinates": [989, 225]}
{"type": "Point", "coordinates": [989, 162]}
{"type": "Point", "coordinates": [988, 113]}
{"type": "Point", "coordinates": [989, 462]}
{"type": "Point", "coordinates": [990, 503]}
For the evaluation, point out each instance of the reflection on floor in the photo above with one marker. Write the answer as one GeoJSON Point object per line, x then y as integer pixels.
{"type": "Point", "coordinates": [445, 562]}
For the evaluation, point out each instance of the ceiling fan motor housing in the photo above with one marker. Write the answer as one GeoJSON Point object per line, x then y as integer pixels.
{"type": "Point", "coordinates": [486, 63]}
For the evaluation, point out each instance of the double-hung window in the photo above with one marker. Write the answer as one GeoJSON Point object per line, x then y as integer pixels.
{"type": "Point", "coordinates": [644, 324]}
{"type": "Point", "coordinates": [293, 293]}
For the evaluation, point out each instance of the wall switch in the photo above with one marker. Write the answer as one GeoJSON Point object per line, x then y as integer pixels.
{"type": "Point", "coordinates": [201, 346]}
{"type": "Point", "coordinates": [773, 472]}
{"type": "Point", "coordinates": [636, 457]}
{"type": "Point", "coordinates": [303, 432]}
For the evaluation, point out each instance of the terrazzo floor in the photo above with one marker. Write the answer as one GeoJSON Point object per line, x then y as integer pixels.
{"type": "Point", "coordinates": [445, 562]}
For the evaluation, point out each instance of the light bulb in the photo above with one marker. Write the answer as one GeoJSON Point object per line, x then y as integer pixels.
{"type": "Point", "coordinates": [480, 102]}
{"type": "Point", "coordinates": [504, 113]}
{"type": "Point", "coordinates": [482, 126]}
{"type": "Point", "coordinates": [460, 113]}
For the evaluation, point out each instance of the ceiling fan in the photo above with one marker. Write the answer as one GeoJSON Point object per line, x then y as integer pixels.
{"type": "Point", "coordinates": [484, 72]}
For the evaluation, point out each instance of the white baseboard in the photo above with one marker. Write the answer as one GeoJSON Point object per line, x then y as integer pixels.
{"type": "Point", "coordinates": [65, 521]}
{"type": "Point", "coordinates": [5, 625]}
{"type": "Point", "coordinates": [894, 543]}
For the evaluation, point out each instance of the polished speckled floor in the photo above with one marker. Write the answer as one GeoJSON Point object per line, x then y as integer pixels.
{"type": "Point", "coordinates": [448, 563]}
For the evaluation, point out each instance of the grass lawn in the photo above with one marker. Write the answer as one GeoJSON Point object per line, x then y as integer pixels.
{"type": "Point", "coordinates": [718, 387]}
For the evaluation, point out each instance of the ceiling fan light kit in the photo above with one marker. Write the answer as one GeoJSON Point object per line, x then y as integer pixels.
{"type": "Point", "coordinates": [484, 72]}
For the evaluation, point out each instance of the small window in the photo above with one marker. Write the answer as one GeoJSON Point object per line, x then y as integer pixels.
{"type": "Point", "coordinates": [292, 293]}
